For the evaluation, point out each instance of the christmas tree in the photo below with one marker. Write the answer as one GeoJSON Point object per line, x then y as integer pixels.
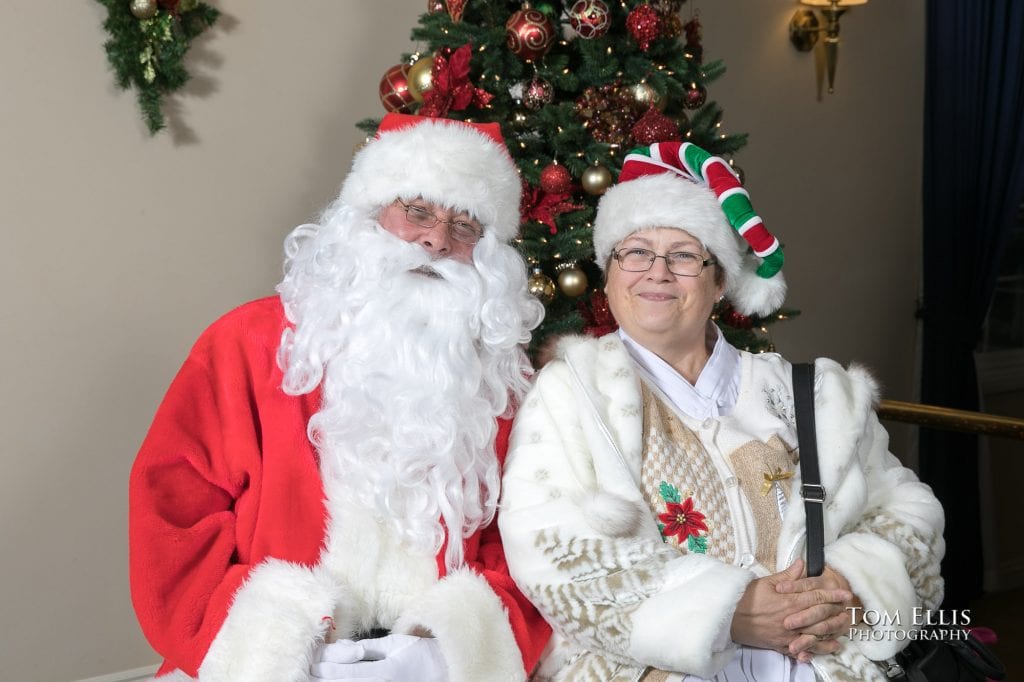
{"type": "Point", "coordinates": [575, 84]}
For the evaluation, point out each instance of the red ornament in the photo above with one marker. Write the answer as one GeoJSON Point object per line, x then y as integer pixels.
{"type": "Point", "coordinates": [537, 93]}
{"type": "Point", "coordinates": [455, 9]}
{"type": "Point", "coordinates": [394, 90]}
{"type": "Point", "coordinates": [694, 96]}
{"type": "Point", "coordinates": [655, 126]}
{"type": "Point", "coordinates": [738, 320]}
{"type": "Point", "coordinates": [529, 34]}
{"type": "Point", "coordinates": [556, 179]}
{"type": "Point", "coordinates": [589, 18]}
{"type": "Point", "coordinates": [644, 24]}
{"type": "Point", "coordinates": [435, 6]}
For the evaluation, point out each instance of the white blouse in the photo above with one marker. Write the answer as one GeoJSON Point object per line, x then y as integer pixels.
{"type": "Point", "coordinates": [717, 388]}
{"type": "Point", "coordinates": [714, 395]}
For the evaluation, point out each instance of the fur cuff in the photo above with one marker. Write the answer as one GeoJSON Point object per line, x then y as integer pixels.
{"type": "Point", "coordinates": [274, 623]}
{"type": "Point", "coordinates": [700, 596]}
{"type": "Point", "coordinates": [472, 627]}
{"type": "Point", "coordinates": [876, 573]}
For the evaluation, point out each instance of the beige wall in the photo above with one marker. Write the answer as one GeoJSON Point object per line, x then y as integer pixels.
{"type": "Point", "coordinates": [121, 248]}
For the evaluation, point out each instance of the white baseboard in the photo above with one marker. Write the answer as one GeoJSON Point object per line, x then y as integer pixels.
{"type": "Point", "coordinates": [136, 675]}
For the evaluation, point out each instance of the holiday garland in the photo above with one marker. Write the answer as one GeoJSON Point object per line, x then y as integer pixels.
{"type": "Point", "coordinates": [147, 47]}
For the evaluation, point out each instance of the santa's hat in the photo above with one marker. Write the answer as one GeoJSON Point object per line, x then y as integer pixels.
{"type": "Point", "coordinates": [673, 184]}
{"type": "Point", "coordinates": [454, 164]}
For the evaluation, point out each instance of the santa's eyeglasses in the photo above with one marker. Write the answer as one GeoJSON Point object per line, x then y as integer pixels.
{"type": "Point", "coordinates": [460, 230]}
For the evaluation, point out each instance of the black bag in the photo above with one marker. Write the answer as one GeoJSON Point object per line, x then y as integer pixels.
{"type": "Point", "coordinates": [939, 655]}
{"type": "Point", "coordinates": [946, 660]}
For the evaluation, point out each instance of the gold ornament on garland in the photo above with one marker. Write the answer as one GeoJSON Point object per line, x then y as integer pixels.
{"type": "Point", "coordinates": [596, 179]}
{"type": "Point", "coordinates": [420, 77]}
{"type": "Point", "coordinates": [541, 286]}
{"type": "Point", "coordinates": [143, 9]}
{"type": "Point", "coordinates": [571, 280]}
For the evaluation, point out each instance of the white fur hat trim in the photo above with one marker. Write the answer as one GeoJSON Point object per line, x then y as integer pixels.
{"type": "Point", "coordinates": [669, 200]}
{"type": "Point", "coordinates": [446, 162]}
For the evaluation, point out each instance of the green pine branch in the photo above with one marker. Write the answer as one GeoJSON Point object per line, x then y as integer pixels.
{"type": "Point", "coordinates": [149, 54]}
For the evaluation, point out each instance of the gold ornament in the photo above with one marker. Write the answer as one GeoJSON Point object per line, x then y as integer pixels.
{"type": "Point", "coordinates": [420, 78]}
{"type": "Point", "coordinates": [596, 179]}
{"type": "Point", "coordinates": [646, 96]}
{"type": "Point", "coordinates": [541, 286]}
{"type": "Point", "coordinates": [143, 9]}
{"type": "Point", "coordinates": [571, 280]}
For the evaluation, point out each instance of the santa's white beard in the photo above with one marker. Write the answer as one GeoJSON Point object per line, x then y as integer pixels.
{"type": "Point", "coordinates": [415, 358]}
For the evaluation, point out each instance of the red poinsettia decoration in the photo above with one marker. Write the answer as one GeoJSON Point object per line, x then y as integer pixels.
{"type": "Point", "coordinates": [542, 207]}
{"type": "Point", "coordinates": [451, 89]}
{"type": "Point", "coordinates": [682, 519]}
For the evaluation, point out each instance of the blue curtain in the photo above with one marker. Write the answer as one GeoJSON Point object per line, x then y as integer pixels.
{"type": "Point", "coordinates": [973, 184]}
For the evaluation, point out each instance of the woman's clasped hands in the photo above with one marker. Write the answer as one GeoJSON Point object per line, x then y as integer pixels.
{"type": "Point", "coordinates": [794, 614]}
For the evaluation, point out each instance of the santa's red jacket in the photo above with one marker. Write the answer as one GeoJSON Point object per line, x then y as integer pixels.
{"type": "Point", "coordinates": [242, 560]}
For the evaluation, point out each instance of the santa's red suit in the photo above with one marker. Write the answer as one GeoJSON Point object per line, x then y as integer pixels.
{"type": "Point", "coordinates": [238, 568]}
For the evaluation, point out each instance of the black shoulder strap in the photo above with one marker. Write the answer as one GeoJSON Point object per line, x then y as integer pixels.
{"type": "Point", "coordinates": [811, 490]}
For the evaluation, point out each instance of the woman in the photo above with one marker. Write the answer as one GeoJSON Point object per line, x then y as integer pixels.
{"type": "Point", "coordinates": [648, 500]}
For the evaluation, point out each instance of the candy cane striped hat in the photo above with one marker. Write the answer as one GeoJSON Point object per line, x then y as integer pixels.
{"type": "Point", "coordinates": [673, 184]}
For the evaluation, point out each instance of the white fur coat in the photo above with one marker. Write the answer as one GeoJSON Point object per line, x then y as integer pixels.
{"type": "Point", "coordinates": [581, 543]}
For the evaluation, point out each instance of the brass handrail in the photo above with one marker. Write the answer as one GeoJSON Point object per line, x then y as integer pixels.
{"type": "Point", "coordinates": [950, 419]}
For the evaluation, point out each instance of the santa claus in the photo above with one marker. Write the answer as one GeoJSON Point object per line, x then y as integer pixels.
{"type": "Point", "coordinates": [316, 496]}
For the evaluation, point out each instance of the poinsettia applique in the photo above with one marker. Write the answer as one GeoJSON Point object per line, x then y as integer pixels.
{"type": "Point", "coordinates": [682, 520]}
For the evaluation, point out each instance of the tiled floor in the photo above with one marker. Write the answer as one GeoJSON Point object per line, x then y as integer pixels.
{"type": "Point", "coordinates": [1004, 613]}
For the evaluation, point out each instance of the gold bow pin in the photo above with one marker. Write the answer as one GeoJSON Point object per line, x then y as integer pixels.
{"type": "Point", "coordinates": [770, 479]}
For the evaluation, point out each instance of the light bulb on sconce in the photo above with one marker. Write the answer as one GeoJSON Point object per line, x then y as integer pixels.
{"type": "Point", "coordinates": [805, 26]}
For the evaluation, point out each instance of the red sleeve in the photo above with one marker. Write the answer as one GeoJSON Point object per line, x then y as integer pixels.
{"type": "Point", "coordinates": [195, 493]}
{"type": "Point", "coordinates": [531, 631]}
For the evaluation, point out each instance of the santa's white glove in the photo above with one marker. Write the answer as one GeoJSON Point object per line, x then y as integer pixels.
{"type": "Point", "coordinates": [395, 658]}
{"type": "Point", "coordinates": [342, 651]}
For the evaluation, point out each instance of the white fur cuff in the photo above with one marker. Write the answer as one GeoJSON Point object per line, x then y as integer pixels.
{"type": "Point", "coordinates": [699, 599]}
{"type": "Point", "coordinates": [882, 584]}
{"type": "Point", "coordinates": [273, 625]}
{"type": "Point", "coordinates": [472, 627]}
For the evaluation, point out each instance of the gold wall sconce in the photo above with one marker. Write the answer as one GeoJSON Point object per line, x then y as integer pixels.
{"type": "Point", "coordinates": [805, 26]}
